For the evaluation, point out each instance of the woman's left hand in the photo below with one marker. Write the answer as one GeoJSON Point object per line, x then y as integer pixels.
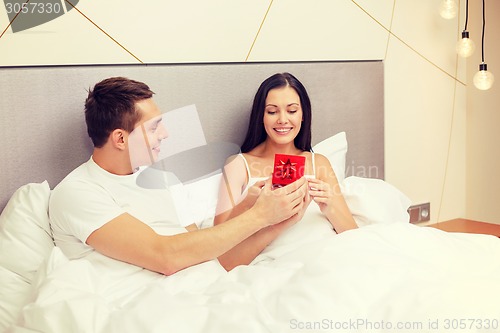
{"type": "Point", "coordinates": [322, 193]}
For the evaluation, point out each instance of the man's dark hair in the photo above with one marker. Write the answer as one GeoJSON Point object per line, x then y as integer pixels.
{"type": "Point", "coordinates": [112, 105]}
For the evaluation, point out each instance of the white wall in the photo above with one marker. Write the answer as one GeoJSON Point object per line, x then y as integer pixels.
{"type": "Point", "coordinates": [425, 92]}
{"type": "Point", "coordinates": [483, 118]}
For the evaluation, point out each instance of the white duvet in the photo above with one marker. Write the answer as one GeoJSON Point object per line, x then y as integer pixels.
{"type": "Point", "coordinates": [384, 277]}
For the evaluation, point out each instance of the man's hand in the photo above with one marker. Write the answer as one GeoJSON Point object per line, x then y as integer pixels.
{"type": "Point", "coordinates": [254, 192]}
{"type": "Point", "coordinates": [282, 203]}
{"type": "Point", "coordinates": [295, 218]}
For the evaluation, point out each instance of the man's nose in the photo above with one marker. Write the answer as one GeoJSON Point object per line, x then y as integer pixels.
{"type": "Point", "coordinates": [162, 132]}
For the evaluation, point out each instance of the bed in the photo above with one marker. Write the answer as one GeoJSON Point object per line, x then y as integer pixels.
{"type": "Point", "coordinates": [388, 275]}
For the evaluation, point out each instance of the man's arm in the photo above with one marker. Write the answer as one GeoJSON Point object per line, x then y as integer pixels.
{"type": "Point", "coordinates": [232, 203]}
{"type": "Point", "coordinates": [247, 250]}
{"type": "Point", "coordinates": [127, 239]}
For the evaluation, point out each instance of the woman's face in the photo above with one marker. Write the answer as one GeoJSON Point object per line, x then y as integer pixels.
{"type": "Point", "coordinates": [282, 115]}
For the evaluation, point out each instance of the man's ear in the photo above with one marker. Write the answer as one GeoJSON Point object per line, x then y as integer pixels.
{"type": "Point", "coordinates": [118, 139]}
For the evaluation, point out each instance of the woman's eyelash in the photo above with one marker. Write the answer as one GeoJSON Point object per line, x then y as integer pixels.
{"type": "Point", "coordinates": [273, 112]}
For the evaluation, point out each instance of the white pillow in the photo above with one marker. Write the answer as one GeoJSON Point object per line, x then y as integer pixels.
{"type": "Point", "coordinates": [25, 242]}
{"type": "Point", "coordinates": [375, 201]}
{"type": "Point", "coordinates": [335, 149]}
{"type": "Point", "coordinates": [199, 200]}
{"type": "Point", "coordinates": [25, 235]}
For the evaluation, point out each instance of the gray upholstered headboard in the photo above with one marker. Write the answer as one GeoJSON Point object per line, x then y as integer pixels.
{"type": "Point", "coordinates": [43, 133]}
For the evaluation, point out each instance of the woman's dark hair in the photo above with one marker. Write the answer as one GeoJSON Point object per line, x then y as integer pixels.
{"type": "Point", "coordinates": [256, 133]}
{"type": "Point", "coordinates": [112, 105]}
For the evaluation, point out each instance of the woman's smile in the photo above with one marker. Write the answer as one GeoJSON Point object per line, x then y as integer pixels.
{"type": "Point", "coordinates": [283, 130]}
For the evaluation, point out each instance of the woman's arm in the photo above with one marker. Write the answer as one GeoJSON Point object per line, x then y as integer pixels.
{"type": "Point", "coordinates": [325, 191]}
{"type": "Point", "coordinates": [231, 201]}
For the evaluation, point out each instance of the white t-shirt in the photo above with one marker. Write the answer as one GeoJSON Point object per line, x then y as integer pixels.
{"type": "Point", "coordinates": [89, 197]}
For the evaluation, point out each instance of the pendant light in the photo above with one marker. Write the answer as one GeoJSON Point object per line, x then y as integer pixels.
{"type": "Point", "coordinates": [448, 9]}
{"type": "Point", "coordinates": [483, 79]}
{"type": "Point", "coordinates": [465, 46]}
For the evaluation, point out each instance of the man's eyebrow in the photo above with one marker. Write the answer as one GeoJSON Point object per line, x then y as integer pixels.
{"type": "Point", "coordinates": [152, 122]}
{"type": "Point", "coordinates": [157, 121]}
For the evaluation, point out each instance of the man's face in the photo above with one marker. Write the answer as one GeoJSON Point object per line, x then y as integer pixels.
{"type": "Point", "coordinates": [145, 140]}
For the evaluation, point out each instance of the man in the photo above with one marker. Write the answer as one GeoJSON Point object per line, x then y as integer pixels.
{"type": "Point", "coordinates": [99, 206]}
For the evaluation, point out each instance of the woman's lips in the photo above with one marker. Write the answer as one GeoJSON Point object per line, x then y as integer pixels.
{"type": "Point", "coordinates": [283, 130]}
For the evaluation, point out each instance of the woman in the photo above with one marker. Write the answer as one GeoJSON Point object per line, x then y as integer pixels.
{"type": "Point", "coordinates": [280, 123]}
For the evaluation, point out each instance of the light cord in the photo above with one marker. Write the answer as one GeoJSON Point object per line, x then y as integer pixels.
{"type": "Point", "coordinates": [482, 37]}
{"type": "Point", "coordinates": [466, 14]}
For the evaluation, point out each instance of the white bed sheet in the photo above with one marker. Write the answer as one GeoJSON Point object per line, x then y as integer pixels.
{"type": "Point", "coordinates": [371, 279]}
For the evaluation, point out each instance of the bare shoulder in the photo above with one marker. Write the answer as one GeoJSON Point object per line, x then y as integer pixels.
{"type": "Point", "coordinates": [321, 159]}
{"type": "Point", "coordinates": [234, 162]}
{"type": "Point", "coordinates": [324, 170]}
{"type": "Point", "coordinates": [233, 158]}
{"type": "Point", "coordinates": [235, 167]}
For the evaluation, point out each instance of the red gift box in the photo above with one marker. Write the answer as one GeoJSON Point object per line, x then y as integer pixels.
{"type": "Point", "coordinates": [287, 169]}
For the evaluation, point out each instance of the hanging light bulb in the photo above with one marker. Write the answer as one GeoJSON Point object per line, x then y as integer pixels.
{"type": "Point", "coordinates": [483, 80]}
{"type": "Point", "coordinates": [448, 9]}
{"type": "Point", "coordinates": [465, 46]}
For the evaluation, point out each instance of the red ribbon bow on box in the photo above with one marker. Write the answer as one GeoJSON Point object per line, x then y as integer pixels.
{"type": "Point", "coordinates": [287, 168]}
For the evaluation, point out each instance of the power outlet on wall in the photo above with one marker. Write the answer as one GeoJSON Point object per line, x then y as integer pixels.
{"type": "Point", "coordinates": [420, 213]}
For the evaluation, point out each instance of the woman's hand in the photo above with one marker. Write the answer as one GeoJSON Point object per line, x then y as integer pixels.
{"type": "Point", "coordinates": [323, 194]}
{"type": "Point", "coordinates": [325, 191]}
{"type": "Point", "coordinates": [331, 202]}
{"type": "Point", "coordinates": [297, 217]}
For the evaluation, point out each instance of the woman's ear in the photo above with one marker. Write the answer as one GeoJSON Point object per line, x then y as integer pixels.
{"type": "Point", "coordinates": [118, 139]}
